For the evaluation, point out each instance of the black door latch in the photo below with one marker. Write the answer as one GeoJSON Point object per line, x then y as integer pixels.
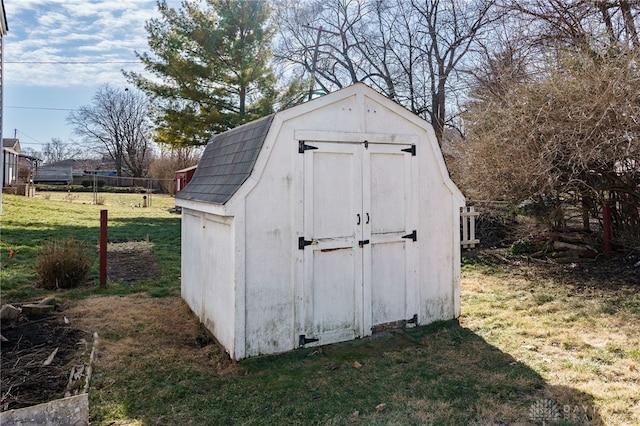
{"type": "Point", "coordinates": [303, 340]}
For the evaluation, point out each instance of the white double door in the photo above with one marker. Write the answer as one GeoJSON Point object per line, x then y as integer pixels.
{"type": "Point", "coordinates": [359, 233]}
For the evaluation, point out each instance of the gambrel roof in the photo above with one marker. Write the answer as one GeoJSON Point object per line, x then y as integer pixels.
{"type": "Point", "coordinates": [227, 162]}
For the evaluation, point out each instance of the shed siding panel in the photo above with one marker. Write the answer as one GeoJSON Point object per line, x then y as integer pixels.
{"type": "Point", "coordinates": [218, 278]}
{"type": "Point", "coordinates": [333, 199]}
{"type": "Point", "coordinates": [386, 119]}
{"type": "Point", "coordinates": [388, 200]}
{"type": "Point", "coordinates": [436, 258]}
{"type": "Point", "coordinates": [341, 115]}
{"type": "Point", "coordinates": [191, 261]}
{"type": "Point", "coordinates": [334, 304]}
{"type": "Point", "coordinates": [268, 254]}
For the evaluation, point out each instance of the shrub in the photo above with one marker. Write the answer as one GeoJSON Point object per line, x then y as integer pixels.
{"type": "Point", "coordinates": [63, 264]}
{"type": "Point", "coordinates": [522, 246]}
{"type": "Point", "coordinates": [87, 183]}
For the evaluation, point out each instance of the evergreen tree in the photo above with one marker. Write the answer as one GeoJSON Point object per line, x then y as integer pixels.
{"type": "Point", "coordinates": [211, 66]}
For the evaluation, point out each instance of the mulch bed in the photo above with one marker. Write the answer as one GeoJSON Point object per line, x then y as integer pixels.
{"type": "Point", "coordinates": [30, 341]}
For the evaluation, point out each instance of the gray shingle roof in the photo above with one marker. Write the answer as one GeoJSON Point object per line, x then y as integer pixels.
{"type": "Point", "coordinates": [9, 143]}
{"type": "Point", "coordinates": [227, 162]}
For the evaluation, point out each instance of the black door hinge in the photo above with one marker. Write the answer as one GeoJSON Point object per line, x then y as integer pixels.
{"type": "Point", "coordinates": [303, 340]}
{"type": "Point", "coordinates": [302, 147]}
{"type": "Point", "coordinates": [362, 243]}
{"type": "Point", "coordinates": [412, 236]}
{"type": "Point", "coordinates": [411, 150]}
{"type": "Point", "coordinates": [302, 243]}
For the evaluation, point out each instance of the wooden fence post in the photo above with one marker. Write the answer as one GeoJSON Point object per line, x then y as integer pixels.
{"type": "Point", "coordinates": [103, 248]}
{"type": "Point", "coordinates": [606, 229]}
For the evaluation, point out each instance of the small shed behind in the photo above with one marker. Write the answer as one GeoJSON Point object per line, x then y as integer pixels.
{"type": "Point", "coordinates": [184, 176]}
{"type": "Point", "coordinates": [319, 224]}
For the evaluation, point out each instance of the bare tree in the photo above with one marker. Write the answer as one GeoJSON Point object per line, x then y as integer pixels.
{"type": "Point", "coordinates": [593, 25]}
{"type": "Point", "coordinates": [317, 37]}
{"type": "Point", "coordinates": [407, 50]}
{"type": "Point", "coordinates": [57, 150]}
{"type": "Point", "coordinates": [116, 125]}
{"type": "Point", "coordinates": [450, 29]}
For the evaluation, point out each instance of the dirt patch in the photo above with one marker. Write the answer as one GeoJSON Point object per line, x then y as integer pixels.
{"type": "Point", "coordinates": [135, 327]}
{"type": "Point", "coordinates": [131, 261]}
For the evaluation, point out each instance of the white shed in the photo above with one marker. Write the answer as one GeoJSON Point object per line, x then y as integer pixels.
{"type": "Point", "coordinates": [319, 224]}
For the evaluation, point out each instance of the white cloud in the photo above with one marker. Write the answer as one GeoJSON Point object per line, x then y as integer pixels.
{"type": "Point", "coordinates": [74, 31]}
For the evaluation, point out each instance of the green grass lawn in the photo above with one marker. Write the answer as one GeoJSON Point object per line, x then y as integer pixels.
{"type": "Point", "coordinates": [526, 337]}
{"type": "Point", "coordinates": [26, 223]}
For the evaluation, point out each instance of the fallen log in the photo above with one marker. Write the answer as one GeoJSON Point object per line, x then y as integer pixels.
{"type": "Point", "coordinates": [560, 245]}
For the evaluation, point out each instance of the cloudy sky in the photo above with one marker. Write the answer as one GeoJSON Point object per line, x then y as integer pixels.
{"type": "Point", "coordinates": [59, 52]}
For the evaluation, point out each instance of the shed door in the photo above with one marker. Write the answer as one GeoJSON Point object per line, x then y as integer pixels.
{"type": "Point", "coordinates": [332, 290]}
{"type": "Point", "coordinates": [359, 252]}
{"type": "Point", "coordinates": [390, 213]}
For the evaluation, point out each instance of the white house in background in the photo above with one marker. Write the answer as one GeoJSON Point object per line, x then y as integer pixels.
{"type": "Point", "coordinates": [10, 154]}
{"type": "Point", "coordinates": [320, 224]}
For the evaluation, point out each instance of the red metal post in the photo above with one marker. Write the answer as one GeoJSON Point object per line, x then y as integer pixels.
{"type": "Point", "coordinates": [606, 231]}
{"type": "Point", "coordinates": [103, 248]}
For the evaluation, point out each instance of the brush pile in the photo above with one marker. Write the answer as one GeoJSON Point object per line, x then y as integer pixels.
{"type": "Point", "coordinates": [567, 247]}
{"type": "Point", "coordinates": [39, 349]}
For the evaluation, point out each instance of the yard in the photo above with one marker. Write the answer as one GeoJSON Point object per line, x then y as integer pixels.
{"type": "Point", "coordinates": [537, 342]}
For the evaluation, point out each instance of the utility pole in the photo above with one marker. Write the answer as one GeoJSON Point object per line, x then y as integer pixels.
{"type": "Point", "coordinates": [313, 63]}
{"type": "Point", "coordinates": [315, 55]}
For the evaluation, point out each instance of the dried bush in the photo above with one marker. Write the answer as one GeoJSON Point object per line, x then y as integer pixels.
{"type": "Point", "coordinates": [63, 264]}
{"type": "Point", "coordinates": [571, 133]}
